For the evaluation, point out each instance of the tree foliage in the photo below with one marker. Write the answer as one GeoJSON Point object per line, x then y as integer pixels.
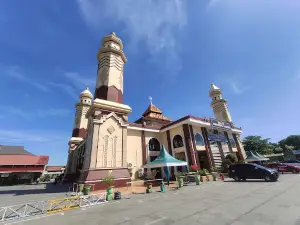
{"type": "Point", "coordinates": [265, 147]}
{"type": "Point", "coordinates": [258, 144]}
{"type": "Point", "coordinates": [290, 143]}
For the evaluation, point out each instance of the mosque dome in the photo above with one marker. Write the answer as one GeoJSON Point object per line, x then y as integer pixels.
{"type": "Point", "coordinates": [86, 93]}
{"type": "Point", "coordinates": [213, 87]}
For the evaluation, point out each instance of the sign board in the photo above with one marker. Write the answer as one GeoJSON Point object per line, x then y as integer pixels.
{"type": "Point", "coordinates": [218, 124]}
{"type": "Point", "coordinates": [217, 137]}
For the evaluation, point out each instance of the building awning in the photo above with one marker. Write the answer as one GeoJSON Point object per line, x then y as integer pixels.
{"type": "Point", "coordinates": [164, 159]}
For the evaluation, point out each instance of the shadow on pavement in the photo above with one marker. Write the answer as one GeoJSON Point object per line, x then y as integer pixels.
{"type": "Point", "coordinates": [47, 188]}
{"type": "Point", "coordinates": [246, 181]}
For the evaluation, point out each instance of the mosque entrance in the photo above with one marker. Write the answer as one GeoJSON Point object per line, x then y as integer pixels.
{"type": "Point", "coordinates": [180, 156]}
{"type": "Point", "coordinates": [203, 160]}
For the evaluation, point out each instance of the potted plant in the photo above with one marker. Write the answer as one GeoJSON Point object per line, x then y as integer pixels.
{"type": "Point", "coordinates": [86, 189]}
{"type": "Point", "coordinates": [179, 178]}
{"type": "Point", "coordinates": [109, 180]}
{"type": "Point", "coordinates": [149, 187]}
{"type": "Point", "coordinates": [81, 186]}
{"type": "Point", "coordinates": [202, 173]}
{"type": "Point", "coordinates": [214, 176]}
{"type": "Point", "coordinates": [208, 175]}
{"type": "Point", "coordinates": [198, 177]}
{"type": "Point", "coordinates": [162, 187]}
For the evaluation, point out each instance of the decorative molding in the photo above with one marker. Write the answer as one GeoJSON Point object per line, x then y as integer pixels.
{"type": "Point", "coordinates": [111, 129]}
{"type": "Point", "coordinates": [112, 114]}
{"type": "Point", "coordinates": [144, 129]}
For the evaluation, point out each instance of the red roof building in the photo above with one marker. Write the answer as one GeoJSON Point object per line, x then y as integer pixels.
{"type": "Point", "coordinates": [17, 163]}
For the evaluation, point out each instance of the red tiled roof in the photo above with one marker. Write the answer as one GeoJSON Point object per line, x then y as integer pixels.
{"type": "Point", "coordinates": [23, 160]}
{"type": "Point", "coordinates": [54, 168]}
{"type": "Point", "coordinates": [153, 112]}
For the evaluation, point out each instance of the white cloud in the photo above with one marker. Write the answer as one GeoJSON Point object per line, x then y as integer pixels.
{"type": "Point", "coordinates": [211, 4]}
{"type": "Point", "coordinates": [70, 90]}
{"type": "Point", "coordinates": [53, 112]}
{"type": "Point", "coordinates": [236, 83]}
{"type": "Point", "coordinates": [16, 73]}
{"type": "Point", "coordinates": [19, 136]}
{"type": "Point", "coordinates": [38, 113]}
{"type": "Point", "coordinates": [157, 23]}
{"type": "Point", "coordinates": [79, 81]}
{"type": "Point", "coordinates": [237, 89]}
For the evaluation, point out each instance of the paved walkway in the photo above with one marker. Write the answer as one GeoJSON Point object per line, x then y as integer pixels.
{"type": "Point", "coordinates": [236, 203]}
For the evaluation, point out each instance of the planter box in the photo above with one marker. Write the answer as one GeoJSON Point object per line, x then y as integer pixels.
{"type": "Point", "coordinates": [209, 177]}
{"type": "Point", "coordinates": [203, 178]}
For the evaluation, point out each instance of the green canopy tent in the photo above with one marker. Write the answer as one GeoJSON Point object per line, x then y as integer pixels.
{"type": "Point", "coordinates": [251, 157]}
{"type": "Point", "coordinates": [262, 157]}
{"type": "Point", "coordinates": [165, 160]}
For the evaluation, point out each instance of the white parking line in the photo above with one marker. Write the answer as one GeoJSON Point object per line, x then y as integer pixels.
{"type": "Point", "coordinates": [34, 218]}
{"type": "Point", "coordinates": [155, 221]}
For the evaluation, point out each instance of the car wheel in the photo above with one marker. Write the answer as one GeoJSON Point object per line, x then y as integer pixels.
{"type": "Point", "coordinates": [236, 178]}
{"type": "Point", "coordinates": [244, 179]}
{"type": "Point", "coordinates": [267, 178]}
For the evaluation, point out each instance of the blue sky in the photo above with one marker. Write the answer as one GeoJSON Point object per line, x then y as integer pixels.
{"type": "Point", "coordinates": [175, 49]}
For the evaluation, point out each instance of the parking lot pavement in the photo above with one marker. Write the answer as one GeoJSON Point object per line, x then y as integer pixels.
{"type": "Point", "coordinates": [18, 194]}
{"type": "Point", "coordinates": [228, 203]}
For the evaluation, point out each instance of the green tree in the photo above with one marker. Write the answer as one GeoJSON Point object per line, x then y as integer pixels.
{"type": "Point", "coordinates": [290, 141]}
{"type": "Point", "coordinates": [257, 144]}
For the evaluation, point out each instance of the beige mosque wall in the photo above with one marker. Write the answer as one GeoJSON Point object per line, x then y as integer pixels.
{"type": "Point", "coordinates": [134, 150]}
{"type": "Point", "coordinates": [164, 140]}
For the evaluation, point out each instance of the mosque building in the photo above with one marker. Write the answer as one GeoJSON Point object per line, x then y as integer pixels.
{"type": "Point", "coordinates": [104, 142]}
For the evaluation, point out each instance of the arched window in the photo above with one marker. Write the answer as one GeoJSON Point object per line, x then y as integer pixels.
{"type": "Point", "coordinates": [199, 139]}
{"type": "Point", "coordinates": [233, 144]}
{"type": "Point", "coordinates": [177, 141]}
{"type": "Point", "coordinates": [154, 145]}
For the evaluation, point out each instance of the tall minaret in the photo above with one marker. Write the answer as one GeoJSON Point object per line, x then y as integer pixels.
{"type": "Point", "coordinates": [111, 59]}
{"type": "Point", "coordinates": [80, 123]}
{"type": "Point", "coordinates": [219, 104]}
{"type": "Point", "coordinates": [79, 131]}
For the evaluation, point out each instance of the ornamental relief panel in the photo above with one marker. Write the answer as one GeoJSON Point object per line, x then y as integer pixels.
{"type": "Point", "coordinates": [110, 152]}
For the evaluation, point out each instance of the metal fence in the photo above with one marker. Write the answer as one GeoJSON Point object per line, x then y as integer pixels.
{"type": "Point", "coordinates": [90, 200]}
{"type": "Point", "coordinates": [51, 206]}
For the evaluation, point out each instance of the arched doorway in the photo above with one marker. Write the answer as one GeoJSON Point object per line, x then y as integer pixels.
{"type": "Point", "coordinates": [154, 149]}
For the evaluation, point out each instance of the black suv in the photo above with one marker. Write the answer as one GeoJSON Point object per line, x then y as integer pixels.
{"type": "Point", "coordinates": [245, 171]}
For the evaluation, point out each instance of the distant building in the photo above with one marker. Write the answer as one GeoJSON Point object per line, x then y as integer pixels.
{"type": "Point", "coordinates": [297, 153]}
{"type": "Point", "coordinates": [17, 165]}
{"type": "Point", "coordinates": [104, 142]}
{"type": "Point", "coordinates": [54, 171]}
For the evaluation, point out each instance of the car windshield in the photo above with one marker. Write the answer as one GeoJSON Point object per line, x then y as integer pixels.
{"type": "Point", "coordinates": [259, 166]}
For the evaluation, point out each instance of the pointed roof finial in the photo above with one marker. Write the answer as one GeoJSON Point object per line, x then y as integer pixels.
{"type": "Point", "coordinates": [113, 33]}
{"type": "Point", "coordinates": [150, 99]}
{"type": "Point", "coordinates": [213, 87]}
